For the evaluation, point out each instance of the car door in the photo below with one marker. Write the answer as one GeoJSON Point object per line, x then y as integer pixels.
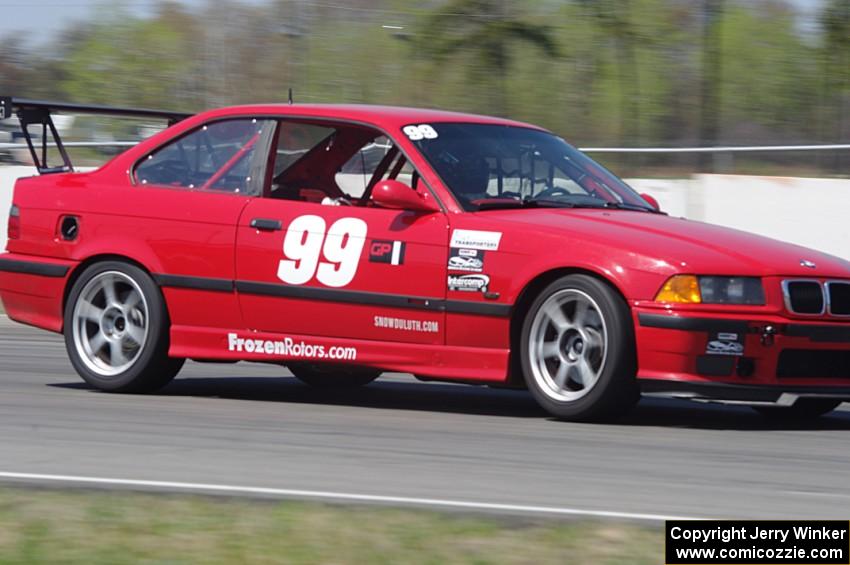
{"type": "Point", "coordinates": [347, 271]}
{"type": "Point", "coordinates": [190, 193]}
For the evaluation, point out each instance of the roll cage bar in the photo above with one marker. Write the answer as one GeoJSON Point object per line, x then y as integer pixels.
{"type": "Point", "coordinates": [39, 112]}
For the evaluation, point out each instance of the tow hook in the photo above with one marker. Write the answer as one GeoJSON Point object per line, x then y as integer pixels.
{"type": "Point", "coordinates": [767, 334]}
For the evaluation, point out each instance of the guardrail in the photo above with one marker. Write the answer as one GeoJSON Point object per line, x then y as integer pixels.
{"type": "Point", "coordinates": [74, 144]}
{"type": "Point", "coordinates": [717, 149]}
{"type": "Point", "coordinates": [810, 159]}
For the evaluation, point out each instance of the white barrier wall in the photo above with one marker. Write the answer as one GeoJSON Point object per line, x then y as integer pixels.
{"type": "Point", "coordinates": [810, 212]}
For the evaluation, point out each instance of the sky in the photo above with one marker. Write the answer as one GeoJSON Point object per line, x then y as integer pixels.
{"type": "Point", "coordinates": [46, 17]}
{"type": "Point", "coordinates": [49, 16]}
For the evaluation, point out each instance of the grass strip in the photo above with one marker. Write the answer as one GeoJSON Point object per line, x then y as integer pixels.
{"type": "Point", "coordinates": [115, 527]}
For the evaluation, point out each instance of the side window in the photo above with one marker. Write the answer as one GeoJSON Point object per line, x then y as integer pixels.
{"type": "Point", "coordinates": [354, 176]}
{"type": "Point", "coordinates": [225, 156]}
{"type": "Point", "coordinates": [406, 174]}
{"type": "Point", "coordinates": [324, 163]}
{"type": "Point", "coordinates": [295, 140]}
{"type": "Point", "coordinates": [294, 176]}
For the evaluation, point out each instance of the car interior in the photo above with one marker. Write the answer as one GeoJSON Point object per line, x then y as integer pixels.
{"type": "Point", "coordinates": [334, 164]}
{"type": "Point", "coordinates": [341, 168]}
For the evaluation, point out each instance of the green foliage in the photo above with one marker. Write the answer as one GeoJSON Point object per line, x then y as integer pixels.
{"type": "Point", "coordinates": [780, 101]}
{"type": "Point", "coordinates": [835, 21]}
{"type": "Point", "coordinates": [599, 71]}
{"type": "Point", "coordinates": [128, 61]}
{"type": "Point", "coordinates": [482, 33]}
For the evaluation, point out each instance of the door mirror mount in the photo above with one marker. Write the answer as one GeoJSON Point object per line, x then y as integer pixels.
{"type": "Point", "coordinates": [651, 201]}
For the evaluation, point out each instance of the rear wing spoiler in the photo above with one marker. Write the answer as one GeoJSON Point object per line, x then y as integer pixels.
{"type": "Point", "coordinates": [39, 113]}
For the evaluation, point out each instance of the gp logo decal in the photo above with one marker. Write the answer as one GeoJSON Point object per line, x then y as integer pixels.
{"type": "Point", "coordinates": [474, 239]}
{"type": "Point", "coordinates": [391, 252]}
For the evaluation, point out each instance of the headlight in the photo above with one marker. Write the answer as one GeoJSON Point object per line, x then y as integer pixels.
{"type": "Point", "coordinates": [691, 289]}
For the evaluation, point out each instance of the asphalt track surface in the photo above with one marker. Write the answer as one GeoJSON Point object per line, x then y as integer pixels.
{"type": "Point", "coordinates": [255, 427]}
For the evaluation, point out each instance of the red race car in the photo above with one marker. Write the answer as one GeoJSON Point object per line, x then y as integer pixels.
{"type": "Point", "coordinates": [342, 241]}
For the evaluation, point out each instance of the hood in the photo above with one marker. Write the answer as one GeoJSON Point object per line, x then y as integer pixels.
{"type": "Point", "coordinates": [684, 245]}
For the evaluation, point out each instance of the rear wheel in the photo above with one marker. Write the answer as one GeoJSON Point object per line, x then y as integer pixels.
{"type": "Point", "coordinates": [332, 376]}
{"type": "Point", "coordinates": [578, 350]}
{"type": "Point", "coordinates": [116, 330]}
{"type": "Point", "coordinates": [803, 409]}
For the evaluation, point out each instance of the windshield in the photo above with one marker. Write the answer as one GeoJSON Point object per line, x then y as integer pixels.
{"type": "Point", "coordinates": [494, 166]}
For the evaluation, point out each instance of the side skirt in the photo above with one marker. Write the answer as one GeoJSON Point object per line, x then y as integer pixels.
{"type": "Point", "coordinates": [450, 363]}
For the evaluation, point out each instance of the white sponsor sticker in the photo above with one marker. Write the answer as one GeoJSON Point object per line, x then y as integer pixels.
{"type": "Point", "coordinates": [725, 343]}
{"type": "Point", "coordinates": [420, 132]}
{"type": "Point", "coordinates": [724, 348]}
{"type": "Point", "coordinates": [424, 326]}
{"type": "Point", "coordinates": [469, 283]}
{"type": "Point", "coordinates": [466, 260]}
{"type": "Point", "coordinates": [288, 347]}
{"type": "Point", "coordinates": [474, 239]}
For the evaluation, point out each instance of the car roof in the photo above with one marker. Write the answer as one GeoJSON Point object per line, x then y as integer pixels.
{"type": "Point", "coordinates": [389, 117]}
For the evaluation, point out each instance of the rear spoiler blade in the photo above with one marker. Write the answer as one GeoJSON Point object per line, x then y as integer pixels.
{"type": "Point", "coordinates": [39, 113]}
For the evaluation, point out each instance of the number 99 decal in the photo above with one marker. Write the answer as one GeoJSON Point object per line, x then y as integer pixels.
{"type": "Point", "coordinates": [307, 242]}
{"type": "Point", "coordinates": [424, 131]}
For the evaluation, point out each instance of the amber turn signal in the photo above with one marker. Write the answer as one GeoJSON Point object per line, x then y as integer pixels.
{"type": "Point", "coordinates": [681, 289]}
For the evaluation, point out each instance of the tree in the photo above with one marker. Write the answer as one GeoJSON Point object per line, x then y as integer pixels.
{"type": "Point", "coordinates": [612, 18]}
{"type": "Point", "coordinates": [132, 61]}
{"type": "Point", "coordinates": [482, 29]}
{"type": "Point", "coordinates": [835, 21]}
{"type": "Point", "coordinates": [768, 83]}
{"type": "Point", "coordinates": [711, 69]}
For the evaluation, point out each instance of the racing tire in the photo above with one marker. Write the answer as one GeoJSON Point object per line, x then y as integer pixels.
{"type": "Point", "coordinates": [803, 409]}
{"type": "Point", "coordinates": [577, 350]}
{"type": "Point", "coordinates": [116, 330]}
{"type": "Point", "coordinates": [332, 376]}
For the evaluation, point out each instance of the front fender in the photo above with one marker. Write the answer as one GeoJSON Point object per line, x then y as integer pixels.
{"type": "Point", "coordinates": [627, 272]}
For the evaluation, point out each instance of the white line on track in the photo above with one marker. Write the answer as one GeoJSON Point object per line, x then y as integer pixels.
{"type": "Point", "coordinates": [337, 496]}
{"type": "Point", "coordinates": [819, 494]}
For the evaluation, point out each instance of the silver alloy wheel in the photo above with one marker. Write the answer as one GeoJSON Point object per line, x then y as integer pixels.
{"type": "Point", "coordinates": [568, 345]}
{"type": "Point", "coordinates": [110, 323]}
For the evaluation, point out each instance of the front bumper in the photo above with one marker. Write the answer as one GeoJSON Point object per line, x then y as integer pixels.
{"type": "Point", "coordinates": [743, 394]}
{"type": "Point", "coordinates": [745, 357]}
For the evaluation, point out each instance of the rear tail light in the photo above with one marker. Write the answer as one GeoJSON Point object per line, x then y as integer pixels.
{"type": "Point", "coordinates": [14, 228]}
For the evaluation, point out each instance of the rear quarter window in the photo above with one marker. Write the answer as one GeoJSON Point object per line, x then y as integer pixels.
{"type": "Point", "coordinates": [226, 156]}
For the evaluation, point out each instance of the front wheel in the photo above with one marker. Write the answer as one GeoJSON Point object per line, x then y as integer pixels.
{"type": "Point", "coordinates": [578, 350]}
{"type": "Point", "coordinates": [332, 376]}
{"type": "Point", "coordinates": [116, 330]}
